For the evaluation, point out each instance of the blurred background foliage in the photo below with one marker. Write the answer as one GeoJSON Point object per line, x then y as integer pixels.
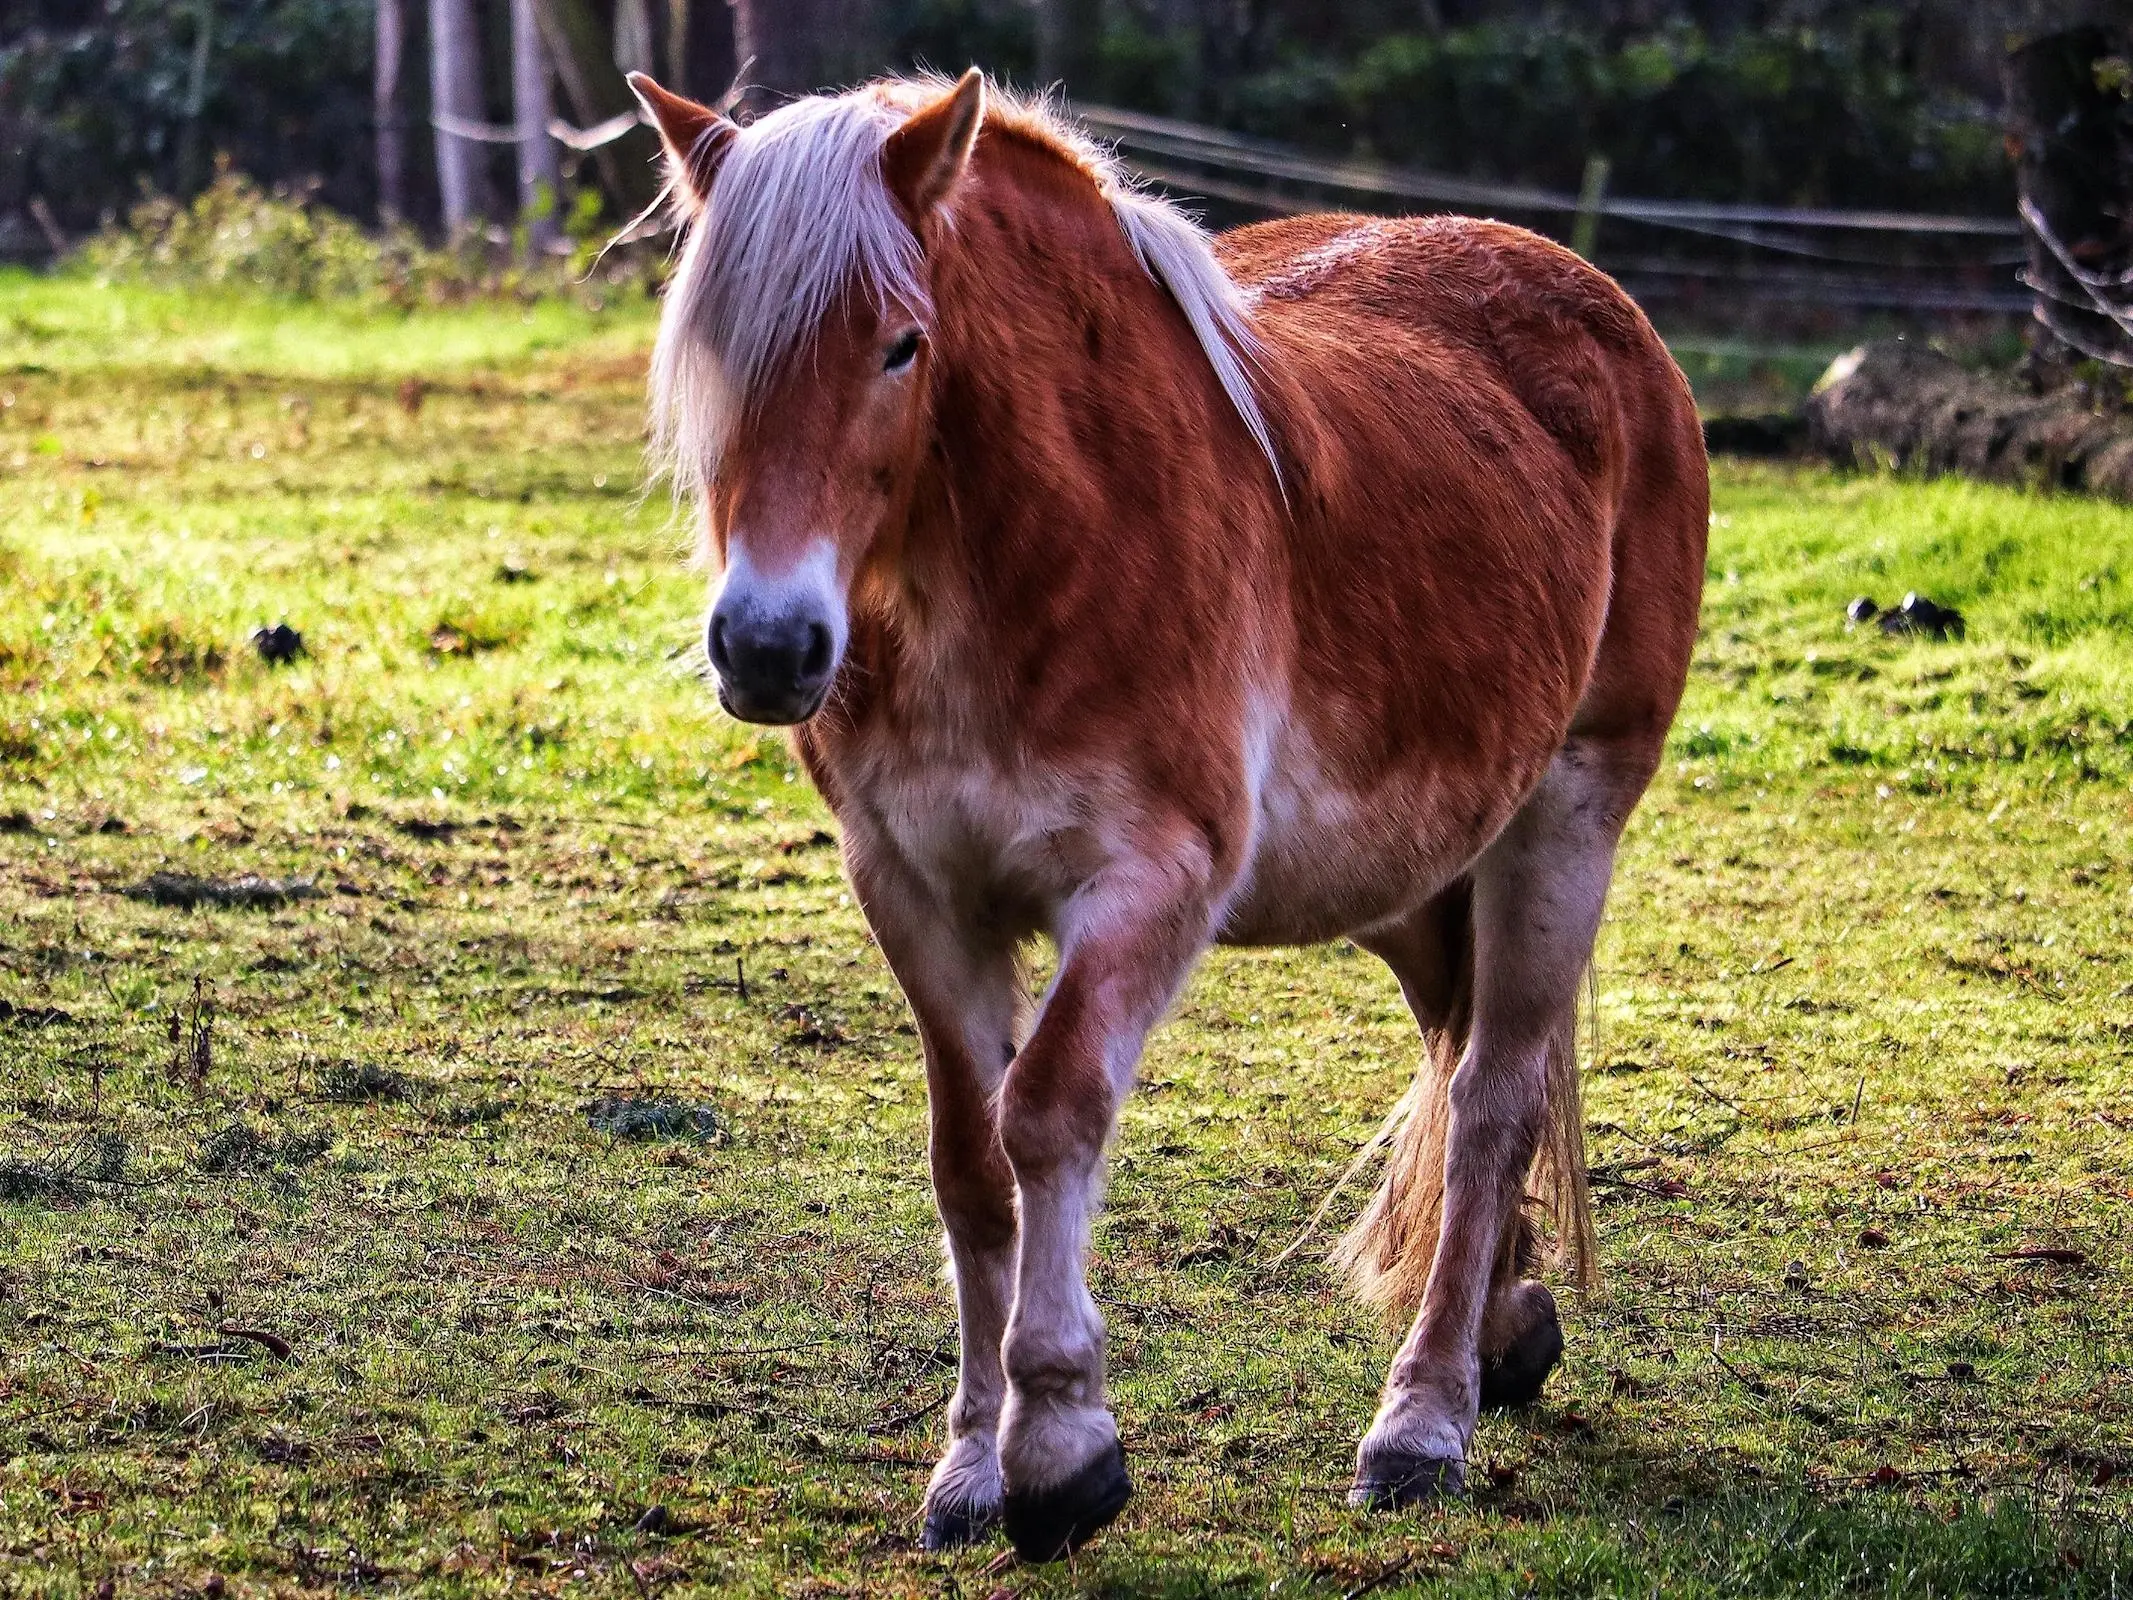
{"type": "Point", "coordinates": [101, 100]}
{"type": "Point", "coordinates": [1785, 101]}
{"type": "Point", "coordinates": [1832, 115]}
{"type": "Point", "coordinates": [235, 234]}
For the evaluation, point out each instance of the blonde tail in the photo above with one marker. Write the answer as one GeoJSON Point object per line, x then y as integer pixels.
{"type": "Point", "coordinates": [1386, 1256]}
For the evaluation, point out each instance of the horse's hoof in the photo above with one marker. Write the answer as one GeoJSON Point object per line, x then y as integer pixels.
{"type": "Point", "coordinates": [1514, 1377]}
{"type": "Point", "coordinates": [1392, 1480]}
{"type": "Point", "coordinates": [1050, 1524]}
{"type": "Point", "coordinates": [950, 1526]}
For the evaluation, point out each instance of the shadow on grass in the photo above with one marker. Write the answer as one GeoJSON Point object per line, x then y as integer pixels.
{"type": "Point", "coordinates": [1625, 1516]}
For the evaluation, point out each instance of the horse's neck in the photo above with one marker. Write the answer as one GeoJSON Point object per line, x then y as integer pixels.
{"type": "Point", "coordinates": [1078, 441]}
{"type": "Point", "coordinates": [1064, 407]}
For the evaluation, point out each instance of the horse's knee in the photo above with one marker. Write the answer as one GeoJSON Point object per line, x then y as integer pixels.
{"type": "Point", "coordinates": [1054, 1118]}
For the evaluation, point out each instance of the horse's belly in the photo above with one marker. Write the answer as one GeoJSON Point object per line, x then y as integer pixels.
{"type": "Point", "coordinates": [1330, 858]}
{"type": "Point", "coordinates": [1327, 862]}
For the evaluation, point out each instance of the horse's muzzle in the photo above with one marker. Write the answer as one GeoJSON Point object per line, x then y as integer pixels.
{"type": "Point", "coordinates": [771, 668]}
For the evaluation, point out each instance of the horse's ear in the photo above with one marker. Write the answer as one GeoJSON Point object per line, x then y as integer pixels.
{"type": "Point", "coordinates": [696, 138]}
{"type": "Point", "coordinates": [924, 158]}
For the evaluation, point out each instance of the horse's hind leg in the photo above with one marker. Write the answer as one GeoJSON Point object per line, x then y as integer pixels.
{"type": "Point", "coordinates": [971, 1002]}
{"type": "Point", "coordinates": [1431, 954]}
{"type": "Point", "coordinates": [1538, 892]}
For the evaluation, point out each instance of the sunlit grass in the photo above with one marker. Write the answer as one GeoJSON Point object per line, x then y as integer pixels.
{"type": "Point", "coordinates": [65, 324]}
{"type": "Point", "coordinates": [1863, 1012]}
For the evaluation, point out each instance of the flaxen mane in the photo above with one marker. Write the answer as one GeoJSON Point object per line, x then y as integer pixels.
{"type": "Point", "coordinates": [799, 212]}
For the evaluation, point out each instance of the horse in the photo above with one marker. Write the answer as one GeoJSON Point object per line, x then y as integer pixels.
{"type": "Point", "coordinates": [1139, 590]}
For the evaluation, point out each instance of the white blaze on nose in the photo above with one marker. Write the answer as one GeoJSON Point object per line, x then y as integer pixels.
{"type": "Point", "coordinates": [807, 587]}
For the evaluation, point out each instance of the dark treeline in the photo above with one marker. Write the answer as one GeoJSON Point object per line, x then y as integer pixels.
{"type": "Point", "coordinates": [1889, 102]}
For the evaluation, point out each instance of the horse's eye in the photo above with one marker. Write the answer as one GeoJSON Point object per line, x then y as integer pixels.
{"type": "Point", "coordinates": [902, 353]}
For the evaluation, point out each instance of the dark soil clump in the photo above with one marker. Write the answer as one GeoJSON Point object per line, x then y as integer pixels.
{"type": "Point", "coordinates": [1897, 404]}
{"type": "Point", "coordinates": [248, 893]}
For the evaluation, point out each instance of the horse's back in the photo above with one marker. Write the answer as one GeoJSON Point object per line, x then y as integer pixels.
{"type": "Point", "coordinates": [1518, 373]}
{"type": "Point", "coordinates": [1426, 296]}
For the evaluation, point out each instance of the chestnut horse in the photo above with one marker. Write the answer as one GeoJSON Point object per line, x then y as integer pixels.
{"type": "Point", "coordinates": [1142, 591]}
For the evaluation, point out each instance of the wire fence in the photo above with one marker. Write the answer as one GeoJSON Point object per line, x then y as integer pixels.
{"type": "Point", "coordinates": [1885, 260]}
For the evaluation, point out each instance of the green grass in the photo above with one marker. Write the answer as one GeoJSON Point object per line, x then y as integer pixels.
{"type": "Point", "coordinates": [1748, 375]}
{"type": "Point", "coordinates": [1864, 1008]}
{"type": "Point", "coordinates": [62, 324]}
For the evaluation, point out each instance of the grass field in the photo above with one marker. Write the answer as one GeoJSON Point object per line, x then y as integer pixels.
{"type": "Point", "coordinates": [1862, 1092]}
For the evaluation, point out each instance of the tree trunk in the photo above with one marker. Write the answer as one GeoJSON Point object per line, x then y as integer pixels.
{"type": "Point", "coordinates": [540, 172]}
{"type": "Point", "coordinates": [455, 91]}
{"type": "Point", "coordinates": [635, 48]}
{"type": "Point", "coordinates": [799, 46]}
{"type": "Point", "coordinates": [385, 112]}
{"type": "Point", "coordinates": [190, 176]}
{"type": "Point", "coordinates": [700, 38]}
{"type": "Point", "coordinates": [774, 40]}
{"type": "Point", "coordinates": [1068, 34]}
{"type": "Point", "coordinates": [2070, 126]}
{"type": "Point", "coordinates": [583, 51]}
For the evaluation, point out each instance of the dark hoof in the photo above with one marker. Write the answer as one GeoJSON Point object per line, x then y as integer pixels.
{"type": "Point", "coordinates": [1054, 1523]}
{"type": "Point", "coordinates": [950, 1527]}
{"type": "Point", "coordinates": [1393, 1481]}
{"type": "Point", "coordinates": [1514, 1377]}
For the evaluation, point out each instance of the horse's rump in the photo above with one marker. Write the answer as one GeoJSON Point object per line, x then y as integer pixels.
{"type": "Point", "coordinates": [1478, 416]}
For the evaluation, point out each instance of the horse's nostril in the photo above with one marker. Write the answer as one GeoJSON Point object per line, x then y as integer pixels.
{"type": "Point", "coordinates": [817, 662]}
{"type": "Point", "coordinates": [770, 667]}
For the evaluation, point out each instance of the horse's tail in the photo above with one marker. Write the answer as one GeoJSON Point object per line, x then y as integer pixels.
{"type": "Point", "coordinates": [1386, 1255]}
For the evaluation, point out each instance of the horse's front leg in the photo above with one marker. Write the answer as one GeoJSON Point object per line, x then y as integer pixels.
{"type": "Point", "coordinates": [1125, 948]}
{"type": "Point", "coordinates": [971, 1001]}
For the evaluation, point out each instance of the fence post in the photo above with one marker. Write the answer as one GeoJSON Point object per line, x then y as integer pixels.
{"type": "Point", "coordinates": [385, 110]}
{"type": "Point", "coordinates": [1592, 195]}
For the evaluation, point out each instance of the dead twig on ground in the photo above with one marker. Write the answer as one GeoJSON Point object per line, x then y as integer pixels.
{"type": "Point", "coordinates": [1383, 1577]}
{"type": "Point", "coordinates": [192, 1040]}
{"type": "Point", "coordinates": [1732, 1105]}
{"type": "Point", "coordinates": [273, 1343]}
{"type": "Point", "coordinates": [2052, 1253]}
{"type": "Point", "coordinates": [896, 1424]}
